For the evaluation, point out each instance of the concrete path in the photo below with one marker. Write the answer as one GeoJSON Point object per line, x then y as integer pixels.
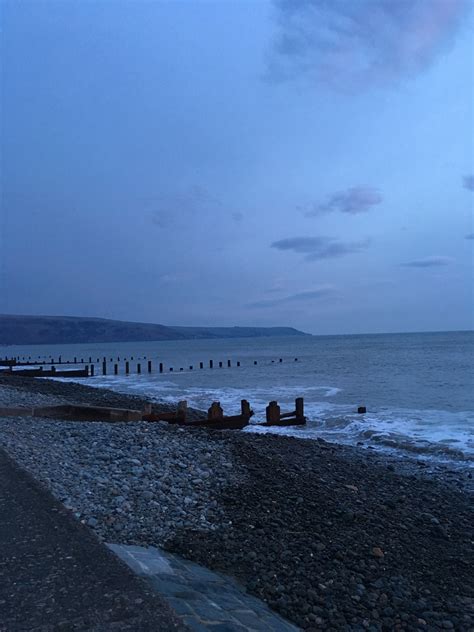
{"type": "Point", "coordinates": [204, 600]}
{"type": "Point", "coordinates": [56, 576]}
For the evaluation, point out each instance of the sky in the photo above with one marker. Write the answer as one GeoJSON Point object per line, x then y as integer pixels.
{"type": "Point", "coordinates": [305, 163]}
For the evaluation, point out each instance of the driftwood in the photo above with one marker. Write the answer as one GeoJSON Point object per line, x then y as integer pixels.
{"type": "Point", "coordinates": [215, 417]}
{"type": "Point", "coordinates": [217, 420]}
{"type": "Point", "coordinates": [178, 417]}
{"type": "Point", "coordinates": [274, 416]}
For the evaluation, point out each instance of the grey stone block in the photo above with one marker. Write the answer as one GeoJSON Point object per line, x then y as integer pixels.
{"type": "Point", "coordinates": [194, 624]}
{"type": "Point", "coordinates": [180, 606]}
{"type": "Point", "coordinates": [209, 611]}
{"type": "Point", "coordinates": [250, 619]}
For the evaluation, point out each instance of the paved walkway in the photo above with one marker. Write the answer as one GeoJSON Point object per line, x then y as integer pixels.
{"type": "Point", "coordinates": [204, 600]}
{"type": "Point", "coordinates": [56, 576]}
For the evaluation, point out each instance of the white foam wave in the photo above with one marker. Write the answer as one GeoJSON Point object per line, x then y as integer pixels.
{"type": "Point", "coordinates": [436, 432]}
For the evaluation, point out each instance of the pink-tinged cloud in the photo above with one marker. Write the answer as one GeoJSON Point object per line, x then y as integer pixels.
{"type": "Point", "coordinates": [354, 44]}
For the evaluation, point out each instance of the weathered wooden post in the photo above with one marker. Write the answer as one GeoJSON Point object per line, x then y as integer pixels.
{"type": "Point", "coordinates": [273, 412]}
{"type": "Point", "coordinates": [182, 411]}
{"type": "Point", "coordinates": [115, 369]}
{"type": "Point", "coordinates": [228, 363]}
{"type": "Point", "coordinates": [215, 412]}
{"type": "Point", "coordinates": [92, 370]}
{"type": "Point", "coordinates": [299, 408]}
{"type": "Point", "coordinates": [139, 368]}
{"type": "Point", "coordinates": [190, 367]}
{"type": "Point", "coordinates": [211, 364]}
{"type": "Point", "coordinates": [201, 365]}
{"type": "Point", "coordinates": [149, 366]}
{"type": "Point", "coordinates": [220, 365]}
{"type": "Point", "coordinates": [362, 410]}
{"type": "Point", "coordinates": [245, 408]}
{"type": "Point", "coordinates": [127, 367]}
{"type": "Point", "coordinates": [104, 368]}
{"type": "Point", "coordinates": [281, 359]}
{"type": "Point", "coordinates": [171, 368]}
{"type": "Point", "coordinates": [238, 363]}
{"type": "Point", "coordinates": [255, 361]}
{"type": "Point", "coordinates": [161, 367]}
{"type": "Point", "coordinates": [87, 371]}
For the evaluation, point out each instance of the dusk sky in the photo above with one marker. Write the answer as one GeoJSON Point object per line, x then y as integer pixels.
{"type": "Point", "coordinates": [307, 163]}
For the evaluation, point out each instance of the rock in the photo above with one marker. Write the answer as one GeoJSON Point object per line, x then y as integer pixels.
{"type": "Point", "coordinates": [377, 552]}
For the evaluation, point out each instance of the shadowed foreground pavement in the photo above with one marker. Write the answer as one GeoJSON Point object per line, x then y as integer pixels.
{"type": "Point", "coordinates": [55, 575]}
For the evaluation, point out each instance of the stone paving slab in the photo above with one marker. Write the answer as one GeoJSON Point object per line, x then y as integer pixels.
{"type": "Point", "coordinates": [204, 600]}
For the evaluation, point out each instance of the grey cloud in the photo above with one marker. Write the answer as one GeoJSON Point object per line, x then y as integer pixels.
{"type": "Point", "coordinates": [428, 262]}
{"type": "Point", "coordinates": [319, 247]}
{"type": "Point", "coordinates": [300, 297]}
{"type": "Point", "coordinates": [352, 201]}
{"type": "Point", "coordinates": [470, 236]}
{"type": "Point", "coordinates": [468, 182]}
{"type": "Point", "coordinates": [353, 45]}
{"type": "Point", "coordinates": [193, 199]}
{"type": "Point", "coordinates": [162, 219]}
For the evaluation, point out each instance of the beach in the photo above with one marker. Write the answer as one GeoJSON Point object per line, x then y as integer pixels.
{"type": "Point", "coordinates": [332, 537]}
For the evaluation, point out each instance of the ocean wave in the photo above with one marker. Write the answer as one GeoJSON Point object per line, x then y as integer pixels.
{"type": "Point", "coordinates": [435, 433]}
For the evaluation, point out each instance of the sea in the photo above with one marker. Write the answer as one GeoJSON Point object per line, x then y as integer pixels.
{"type": "Point", "coordinates": [418, 388]}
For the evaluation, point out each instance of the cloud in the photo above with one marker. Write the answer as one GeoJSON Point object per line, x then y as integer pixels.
{"type": "Point", "coordinates": [162, 219]}
{"type": "Point", "coordinates": [319, 247]}
{"type": "Point", "coordinates": [428, 262]}
{"type": "Point", "coordinates": [167, 210]}
{"type": "Point", "coordinates": [351, 45]}
{"type": "Point", "coordinates": [178, 209]}
{"type": "Point", "coordinates": [470, 236]}
{"type": "Point", "coordinates": [300, 297]}
{"type": "Point", "coordinates": [468, 182]}
{"type": "Point", "coordinates": [352, 201]}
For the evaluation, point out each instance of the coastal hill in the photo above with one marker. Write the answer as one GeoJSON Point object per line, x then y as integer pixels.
{"type": "Point", "coordinates": [31, 330]}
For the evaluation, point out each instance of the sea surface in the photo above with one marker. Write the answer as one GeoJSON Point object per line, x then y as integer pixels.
{"type": "Point", "coordinates": [418, 388]}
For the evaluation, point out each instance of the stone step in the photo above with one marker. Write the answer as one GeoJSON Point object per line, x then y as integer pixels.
{"type": "Point", "coordinates": [204, 600]}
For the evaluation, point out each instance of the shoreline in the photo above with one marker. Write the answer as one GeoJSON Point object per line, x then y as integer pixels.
{"type": "Point", "coordinates": [330, 536]}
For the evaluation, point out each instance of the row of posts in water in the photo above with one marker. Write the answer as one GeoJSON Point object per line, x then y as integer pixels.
{"type": "Point", "coordinates": [161, 367]}
{"type": "Point", "coordinates": [105, 368]}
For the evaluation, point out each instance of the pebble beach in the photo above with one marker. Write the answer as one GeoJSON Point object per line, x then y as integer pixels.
{"type": "Point", "coordinates": [332, 537]}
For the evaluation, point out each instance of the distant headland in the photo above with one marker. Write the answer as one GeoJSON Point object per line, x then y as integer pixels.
{"type": "Point", "coordinates": [32, 330]}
